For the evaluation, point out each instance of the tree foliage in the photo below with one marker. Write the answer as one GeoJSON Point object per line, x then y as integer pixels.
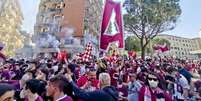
{"type": "Point", "coordinates": [11, 20]}
{"type": "Point", "coordinates": [132, 44]}
{"type": "Point", "coordinates": [147, 18]}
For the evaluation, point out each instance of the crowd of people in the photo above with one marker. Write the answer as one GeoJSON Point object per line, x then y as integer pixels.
{"type": "Point", "coordinates": [126, 79]}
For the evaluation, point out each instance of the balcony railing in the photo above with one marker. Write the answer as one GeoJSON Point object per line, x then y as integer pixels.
{"type": "Point", "coordinates": [57, 1]}
{"type": "Point", "coordinates": [56, 10]}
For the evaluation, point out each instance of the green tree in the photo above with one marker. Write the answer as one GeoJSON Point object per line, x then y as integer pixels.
{"type": "Point", "coordinates": [132, 43]}
{"type": "Point", "coordinates": [147, 18]}
{"type": "Point", "coordinates": [11, 21]}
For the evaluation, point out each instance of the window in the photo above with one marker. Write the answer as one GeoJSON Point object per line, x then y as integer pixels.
{"type": "Point", "coordinates": [69, 41]}
{"type": "Point", "coordinates": [42, 17]}
{"type": "Point", "coordinates": [60, 5]}
{"type": "Point", "coordinates": [44, 8]}
{"type": "Point", "coordinates": [60, 28]}
{"type": "Point", "coordinates": [64, 5]}
{"type": "Point", "coordinates": [45, 29]}
{"type": "Point", "coordinates": [57, 18]}
{"type": "Point", "coordinates": [46, 20]}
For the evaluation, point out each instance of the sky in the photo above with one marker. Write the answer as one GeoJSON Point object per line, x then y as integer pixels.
{"type": "Point", "coordinates": [29, 9]}
{"type": "Point", "coordinates": [188, 24]}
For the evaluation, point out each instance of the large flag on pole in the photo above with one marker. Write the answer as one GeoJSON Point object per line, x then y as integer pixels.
{"type": "Point", "coordinates": [107, 38]}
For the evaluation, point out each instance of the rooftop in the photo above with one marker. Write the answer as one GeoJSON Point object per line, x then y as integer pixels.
{"type": "Point", "coordinates": [178, 36]}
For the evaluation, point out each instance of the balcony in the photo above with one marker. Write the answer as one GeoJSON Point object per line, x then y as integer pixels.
{"type": "Point", "coordinates": [56, 10]}
{"type": "Point", "coordinates": [41, 24]}
{"type": "Point", "coordinates": [56, 1]}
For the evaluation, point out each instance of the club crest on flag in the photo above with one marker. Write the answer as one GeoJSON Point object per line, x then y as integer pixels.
{"type": "Point", "coordinates": [108, 37]}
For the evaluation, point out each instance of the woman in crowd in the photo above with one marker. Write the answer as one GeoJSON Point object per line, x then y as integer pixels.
{"type": "Point", "coordinates": [151, 91]}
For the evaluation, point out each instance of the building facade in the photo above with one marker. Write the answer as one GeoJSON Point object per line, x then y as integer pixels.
{"type": "Point", "coordinates": [181, 47]}
{"type": "Point", "coordinates": [48, 22]}
{"type": "Point", "coordinates": [197, 42]}
{"type": "Point", "coordinates": [66, 22]}
{"type": "Point", "coordinates": [11, 20]}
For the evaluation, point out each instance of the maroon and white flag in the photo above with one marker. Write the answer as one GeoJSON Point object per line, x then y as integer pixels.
{"type": "Point", "coordinates": [162, 48]}
{"type": "Point", "coordinates": [106, 37]}
{"type": "Point", "coordinates": [86, 56]}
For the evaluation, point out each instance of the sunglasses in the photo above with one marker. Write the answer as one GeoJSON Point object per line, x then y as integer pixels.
{"type": "Point", "coordinates": [154, 79]}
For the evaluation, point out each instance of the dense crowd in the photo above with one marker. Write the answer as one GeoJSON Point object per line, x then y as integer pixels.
{"type": "Point", "coordinates": [126, 79]}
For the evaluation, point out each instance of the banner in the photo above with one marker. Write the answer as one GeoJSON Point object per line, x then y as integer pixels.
{"type": "Point", "coordinates": [106, 38]}
{"type": "Point", "coordinates": [86, 56]}
{"type": "Point", "coordinates": [162, 48]}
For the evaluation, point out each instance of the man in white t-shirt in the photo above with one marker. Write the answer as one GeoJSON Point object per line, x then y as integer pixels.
{"type": "Point", "coordinates": [181, 87]}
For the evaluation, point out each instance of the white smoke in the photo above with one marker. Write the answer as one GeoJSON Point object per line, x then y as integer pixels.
{"type": "Point", "coordinates": [68, 31]}
{"type": "Point", "coordinates": [48, 41]}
